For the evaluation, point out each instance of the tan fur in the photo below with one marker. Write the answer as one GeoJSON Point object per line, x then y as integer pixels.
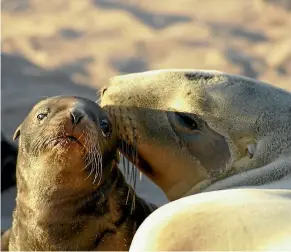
{"type": "Point", "coordinates": [244, 111]}
{"type": "Point", "coordinates": [254, 118]}
{"type": "Point", "coordinates": [227, 220]}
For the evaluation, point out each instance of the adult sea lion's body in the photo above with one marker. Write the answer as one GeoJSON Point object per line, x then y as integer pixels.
{"type": "Point", "coordinates": [70, 193]}
{"type": "Point", "coordinates": [224, 220]}
{"type": "Point", "coordinates": [201, 131]}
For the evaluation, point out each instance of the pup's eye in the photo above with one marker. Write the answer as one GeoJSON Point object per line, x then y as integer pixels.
{"type": "Point", "coordinates": [187, 121]}
{"type": "Point", "coordinates": [105, 128]}
{"type": "Point", "coordinates": [41, 116]}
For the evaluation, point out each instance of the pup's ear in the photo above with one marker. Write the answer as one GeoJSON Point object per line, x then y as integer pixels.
{"type": "Point", "coordinates": [17, 133]}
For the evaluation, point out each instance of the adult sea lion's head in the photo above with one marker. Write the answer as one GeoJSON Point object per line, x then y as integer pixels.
{"type": "Point", "coordinates": [195, 127]}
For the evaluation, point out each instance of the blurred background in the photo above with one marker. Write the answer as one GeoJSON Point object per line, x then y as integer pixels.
{"type": "Point", "coordinates": [68, 47]}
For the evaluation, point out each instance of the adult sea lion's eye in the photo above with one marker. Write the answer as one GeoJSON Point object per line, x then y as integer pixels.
{"type": "Point", "coordinates": [41, 116]}
{"type": "Point", "coordinates": [187, 121]}
{"type": "Point", "coordinates": [105, 128]}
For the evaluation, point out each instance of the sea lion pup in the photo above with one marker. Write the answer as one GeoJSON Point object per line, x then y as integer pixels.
{"type": "Point", "coordinates": [203, 130]}
{"type": "Point", "coordinates": [70, 193]}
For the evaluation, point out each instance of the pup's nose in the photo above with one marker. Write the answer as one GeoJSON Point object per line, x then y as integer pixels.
{"type": "Point", "coordinates": [103, 90]}
{"type": "Point", "coordinates": [76, 116]}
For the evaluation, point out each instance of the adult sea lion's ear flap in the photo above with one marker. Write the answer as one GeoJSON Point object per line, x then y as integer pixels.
{"type": "Point", "coordinates": [17, 133]}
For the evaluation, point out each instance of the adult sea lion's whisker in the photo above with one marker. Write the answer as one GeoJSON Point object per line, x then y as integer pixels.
{"type": "Point", "coordinates": [135, 146]}
{"type": "Point", "coordinates": [100, 167]}
{"type": "Point", "coordinates": [98, 101]}
{"type": "Point", "coordinates": [123, 149]}
{"type": "Point", "coordinates": [127, 150]}
{"type": "Point", "coordinates": [127, 197]}
{"type": "Point", "coordinates": [132, 204]}
{"type": "Point", "coordinates": [124, 165]}
{"type": "Point", "coordinates": [135, 156]}
{"type": "Point", "coordinates": [127, 163]}
{"type": "Point", "coordinates": [98, 94]}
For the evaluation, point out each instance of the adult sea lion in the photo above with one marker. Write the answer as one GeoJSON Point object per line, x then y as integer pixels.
{"type": "Point", "coordinates": [200, 131]}
{"type": "Point", "coordinates": [70, 193]}
{"type": "Point", "coordinates": [203, 130]}
{"type": "Point", "coordinates": [224, 220]}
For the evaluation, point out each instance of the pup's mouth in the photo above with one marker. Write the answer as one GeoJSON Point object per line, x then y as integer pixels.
{"type": "Point", "coordinates": [64, 141]}
{"type": "Point", "coordinates": [129, 151]}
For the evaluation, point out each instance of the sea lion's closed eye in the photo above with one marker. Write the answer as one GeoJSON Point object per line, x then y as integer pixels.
{"type": "Point", "coordinates": [184, 121]}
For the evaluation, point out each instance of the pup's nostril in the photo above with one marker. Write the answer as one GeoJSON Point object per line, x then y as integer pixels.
{"type": "Point", "coordinates": [76, 116]}
{"type": "Point", "coordinates": [103, 90]}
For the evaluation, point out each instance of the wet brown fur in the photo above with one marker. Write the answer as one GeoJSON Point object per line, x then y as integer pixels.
{"type": "Point", "coordinates": [71, 195]}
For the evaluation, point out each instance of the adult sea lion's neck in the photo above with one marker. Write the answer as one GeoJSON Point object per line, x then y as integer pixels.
{"type": "Point", "coordinates": [276, 175]}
